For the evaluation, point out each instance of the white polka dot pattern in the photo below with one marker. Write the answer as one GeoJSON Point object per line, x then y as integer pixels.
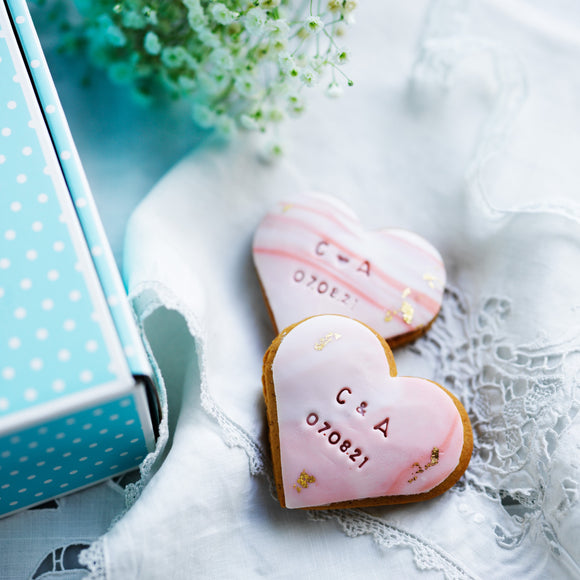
{"type": "Point", "coordinates": [71, 452]}
{"type": "Point", "coordinates": [80, 192]}
{"type": "Point", "coordinates": [47, 302]}
{"type": "Point", "coordinates": [68, 340]}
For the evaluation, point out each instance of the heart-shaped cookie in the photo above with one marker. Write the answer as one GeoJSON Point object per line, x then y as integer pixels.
{"type": "Point", "coordinates": [313, 257]}
{"type": "Point", "coordinates": [345, 431]}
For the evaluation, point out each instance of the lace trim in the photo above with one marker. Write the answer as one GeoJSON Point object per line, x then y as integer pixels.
{"type": "Point", "coordinates": [356, 523]}
{"type": "Point", "coordinates": [147, 298]}
{"type": "Point", "coordinates": [520, 406]}
{"type": "Point", "coordinates": [94, 559]}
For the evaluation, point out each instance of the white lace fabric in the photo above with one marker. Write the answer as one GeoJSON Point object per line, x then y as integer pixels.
{"type": "Point", "coordinates": [438, 140]}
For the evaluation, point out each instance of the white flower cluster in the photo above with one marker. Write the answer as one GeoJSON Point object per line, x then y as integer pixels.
{"type": "Point", "coordinates": [241, 63]}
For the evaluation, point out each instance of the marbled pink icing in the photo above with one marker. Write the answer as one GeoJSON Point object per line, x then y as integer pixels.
{"type": "Point", "coordinates": [307, 382]}
{"type": "Point", "coordinates": [365, 275]}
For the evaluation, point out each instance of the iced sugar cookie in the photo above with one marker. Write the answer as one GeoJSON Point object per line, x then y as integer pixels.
{"type": "Point", "coordinates": [345, 431]}
{"type": "Point", "coordinates": [313, 256]}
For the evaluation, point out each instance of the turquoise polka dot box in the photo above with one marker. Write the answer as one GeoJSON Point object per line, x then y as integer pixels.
{"type": "Point", "coordinates": [77, 403]}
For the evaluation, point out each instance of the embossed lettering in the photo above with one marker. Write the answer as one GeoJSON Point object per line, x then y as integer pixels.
{"type": "Point", "coordinates": [382, 427]}
{"type": "Point", "coordinates": [334, 438]}
{"type": "Point", "coordinates": [322, 287]}
{"type": "Point", "coordinates": [339, 399]}
{"type": "Point", "coordinates": [312, 419]}
{"type": "Point", "coordinates": [299, 275]}
{"type": "Point", "coordinates": [319, 248]}
{"type": "Point", "coordinates": [365, 267]}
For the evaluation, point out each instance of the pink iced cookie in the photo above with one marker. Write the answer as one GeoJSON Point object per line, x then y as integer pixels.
{"type": "Point", "coordinates": [313, 257]}
{"type": "Point", "coordinates": [345, 431]}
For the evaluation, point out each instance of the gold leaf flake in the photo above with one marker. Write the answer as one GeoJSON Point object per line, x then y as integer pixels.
{"type": "Point", "coordinates": [431, 280]}
{"type": "Point", "coordinates": [407, 311]}
{"type": "Point", "coordinates": [419, 469]}
{"type": "Point", "coordinates": [303, 481]}
{"type": "Point", "coordinates": [326, 339]}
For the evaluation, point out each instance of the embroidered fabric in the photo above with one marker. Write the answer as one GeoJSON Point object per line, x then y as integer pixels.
{"type": "Point", "coordinates": [522, 401]}
{"type": "Point", "coordinates": [94, 559]}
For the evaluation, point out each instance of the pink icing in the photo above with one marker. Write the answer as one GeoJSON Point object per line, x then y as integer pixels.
{"type": "Point", "coordinates": [314, 257]}
{"type": "Point", "coordinates": [333, 369]}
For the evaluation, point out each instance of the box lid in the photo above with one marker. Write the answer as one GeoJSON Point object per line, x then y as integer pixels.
{"type": "Point", "coordinates": [66, 329]}
{"type": "Point", "coordinates": [79, 190]}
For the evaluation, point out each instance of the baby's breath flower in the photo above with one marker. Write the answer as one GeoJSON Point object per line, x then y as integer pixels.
{"type": "Point", "coordinates": [255, 21]}
{"type": "Point", "coordinates": [287, 62]}
{"type": "Point", "coordinates": [246, 85]}
{"type": "Point", "coordinates": [296, 105]}
{"type": "Point", "coordinates": [112, 33]}
{"type": "Point", "coordinates": [240, 63]}
{"type": "Point", "coordinates": [151, 43]}
{"type": "Point", "coordinates": [349, 19]}
{"type": "Point", "coordinates": [209, 39]}
{"type": "Point", "coordinates": [187, 84]}
{"type": "Point", "coordinates": [342, 56]}
{"type": "Point", "coordinates": [276, 115]}
{"type": "Point", "coordinates": [174, 56]}
{"type": "Point", "coordinates": [197, 20]}
{"type": "Point", "coordinates": [121, 73]}
{"type": "Point", "coordinates": [203, 116]}
{"type": "Point", "coordinates": [222, 59]}
{"type": "Point", "coordinates": [225, 126]}
{"type": "Point", "coordinates": [249, 122]}
{"type": "Point", "coordinates": [222, 14]}
{"type": "Point", "coordinates": [150, 15]}
{"type": "Point", "coordinates": [309, 77]}
{"type": "Point", "coordinates": [132, 19]}
{"type": "Point", "coordinates": [193, 5]}
{"type": "Point", "coordinates": [314, 24]}
{"type": "Point", "coordinates": [279, 29]}
{"type": "Point", "coordinates": [333, 90]}
{"type": "Point", "coordinates": [271, 151]}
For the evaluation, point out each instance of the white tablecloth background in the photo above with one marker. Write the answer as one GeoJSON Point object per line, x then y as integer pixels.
{"type": "Point", "coordinates": [463, 125]}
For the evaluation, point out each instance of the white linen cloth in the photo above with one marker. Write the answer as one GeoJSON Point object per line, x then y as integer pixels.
{"type": "Point", "coordinates": [462, 126]}
{"type": "Point", "coordinates": [467, 140]}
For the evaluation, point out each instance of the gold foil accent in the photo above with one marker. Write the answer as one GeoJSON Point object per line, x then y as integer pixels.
{"type": "Point", "coordinates": [419, 469]}
{"type": "Point", "coordinates": [303, 481]}
{"type": "Point", "coordinates": [407, 311]}
{"type": "Point", "coordinates": [434, 457]}
{"type": "Point", "coordinates": [432, 280]}
{"type": "Point", "coordinates": [326, 339]}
